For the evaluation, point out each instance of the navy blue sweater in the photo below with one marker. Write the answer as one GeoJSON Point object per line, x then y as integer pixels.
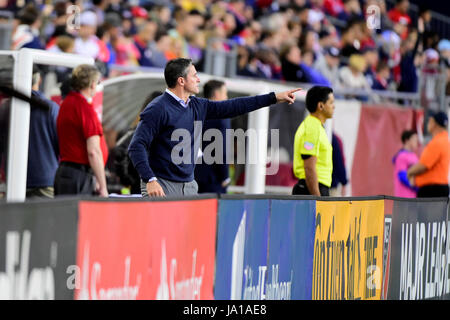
{"type": "Point", "coordinates": [151, 148]}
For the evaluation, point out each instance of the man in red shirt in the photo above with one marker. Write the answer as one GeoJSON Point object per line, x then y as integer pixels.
{"type": "Point", "coordinates": [83, 151]}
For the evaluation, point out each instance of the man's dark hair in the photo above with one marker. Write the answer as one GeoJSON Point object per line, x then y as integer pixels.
{"type": "Point", "coordinates": [211, 87]}
{"type": "Point", "coordinates": [161, 32]}
{"type": "Point", "coordinates": [407, 134]}
{"type": "Point", "coordinates": [315, 95]}
{"type": "Point", "coordinates": [423, 8]}
{"type": "Point", "coordinates": [174, 69]}
{"type": "Point", "coordinates": [28, 15]}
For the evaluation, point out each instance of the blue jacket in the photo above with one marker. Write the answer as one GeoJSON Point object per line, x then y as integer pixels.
{"type": "Point", "coordinates": [43, 150]}
{"type": "Point", "coordinates": [163, 144]}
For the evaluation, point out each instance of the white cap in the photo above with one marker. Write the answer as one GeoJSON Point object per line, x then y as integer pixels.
{"type": "Point", "coordinates": [88, 18]}
{"type": "Point", "coordinates": [314, 16]}
{"type": "Point", "coordinates": [431, 54]}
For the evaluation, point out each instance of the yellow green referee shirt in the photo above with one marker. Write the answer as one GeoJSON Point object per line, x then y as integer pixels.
{"type": "Point", "coordinates": [311, 139]}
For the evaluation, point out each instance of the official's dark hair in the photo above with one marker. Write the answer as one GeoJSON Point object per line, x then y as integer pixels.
{"type": "Point", "coordinates": [174, 69]}
{"type": "Point", "coordinates": [315, 95]}
{"type": "Point", "coordinates": [407, 134]}
{"type": "Point", "coordinates": [211, 87]}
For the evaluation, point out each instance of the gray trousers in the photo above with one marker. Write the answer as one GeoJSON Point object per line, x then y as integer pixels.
{"type": "Point", "coordinates": [172, 188]}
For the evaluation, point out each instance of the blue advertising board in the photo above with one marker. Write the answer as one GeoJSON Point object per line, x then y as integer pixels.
{"type": "Point", "coordinates": [291, 250]}
{"type": "Point", "coordinates": [241, 255]}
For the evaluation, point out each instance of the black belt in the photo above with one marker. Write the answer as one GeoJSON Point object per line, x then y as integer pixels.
{"type": "Point", "coordinates": [79, 166]}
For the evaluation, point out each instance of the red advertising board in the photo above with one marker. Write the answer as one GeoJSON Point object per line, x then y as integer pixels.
{"type": "Point", "coordinates": [146, 250]}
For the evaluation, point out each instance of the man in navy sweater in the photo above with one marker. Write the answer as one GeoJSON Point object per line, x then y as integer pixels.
{"type": "Point", "coordinates": [155, 147]}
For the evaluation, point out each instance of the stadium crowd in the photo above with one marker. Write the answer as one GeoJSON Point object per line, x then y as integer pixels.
{"type": "Point", "coordinates": [325, 42]}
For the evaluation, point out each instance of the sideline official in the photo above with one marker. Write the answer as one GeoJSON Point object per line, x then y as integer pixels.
{"type": "Point", "coordinates": [313, 152]}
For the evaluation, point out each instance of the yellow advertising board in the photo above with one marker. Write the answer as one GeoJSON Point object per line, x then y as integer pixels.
{"type": "Point", "coordinates": [348, 250]}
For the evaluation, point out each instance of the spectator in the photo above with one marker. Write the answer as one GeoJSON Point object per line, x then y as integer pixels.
{"type": "Point", "coordinates": [159, 47]}
{"type": "Point", "coordinates": [425, 20]}
{"type": "Point", "coordinates": [431, 172]}
{"type": "Point", "coordinates": [328, 38]}
{"type": "Point", "coordinates": [403, 160]}
{"type": "Point", "coordinates": [349, 43]}
{"type": "Point", "coordinates": [333, 7]}
{"type": "Point", "coordinates": [366, 36]}
{"type": "Point", "coordinates": [351, 10]}
{"type": "Point", "coordinates": [43, 152]}
{"type": "Point", "coordinates": [27, 32]}
{"type": "Point", "coordinates": [371, 56]}
{"type": "Point", "coordinates": [312, 74]}
{"type": "Point", "coordinates": [161, 14]}
{"type": "Point", "coordinates": [127, 53]}
{"type": "Point", "coordinates": [99, 7]}
{"type": "Point", "coordinates": [390, 51]}
{"type": "Point", "coordinates": [62, 44]}
{"type": "Point", "coordinates": [83, 151]}
{"type": "Point", "coordinates": [86, 41]}
{"type": "Point", "coordinates": [214, 177]}
{"type": "Point", "coordinates": [145, 35]}
{"type": "Point", "coordinates": [103, 41]}
{"type": "Point", "coordinates": [444, 49]}
{"type": "Point", "coordinates": [290, 64]}
{"type": "Point", "coordinates": [351, 76]}
{"type": "Point", "coordinates": [185, 27]}
{"type": "Point", "coordinates": [308, 41]}
{"type": "Point", "coordinates": [408, 70]}
{"type": "Point", "coordinates": [382, 77]}
{"type": "Point", "coordinates": [60, 20]}
{"type": "Point", "coordinates": [251, 66]}
{"type": "Point", "coordinates": [140, 17]}
{"type": "Point", "coordinates": [328, 63]}
{"type": "Point", "coordinates": [237, 9]}
{"type": "Point", "coordinates": [399, 15]}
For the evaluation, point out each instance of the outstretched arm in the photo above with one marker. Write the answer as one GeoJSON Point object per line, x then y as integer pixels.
{"type": "Point", "coordinates": [287, 96]}
{"type": "Point", "coordinates": [237, 106]}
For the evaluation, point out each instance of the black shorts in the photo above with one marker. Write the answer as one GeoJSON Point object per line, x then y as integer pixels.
{"type": "Point", "coordinates": [433, 191]}
{"type": "Point", "coordinates": [301, 188]}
